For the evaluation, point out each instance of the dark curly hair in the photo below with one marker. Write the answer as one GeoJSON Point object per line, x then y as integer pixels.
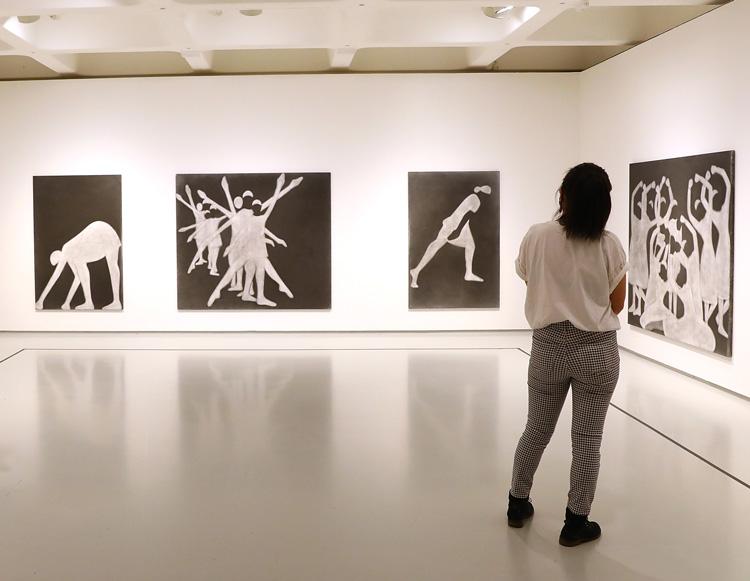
{"type": "Point", "coordinates": [585, 202]}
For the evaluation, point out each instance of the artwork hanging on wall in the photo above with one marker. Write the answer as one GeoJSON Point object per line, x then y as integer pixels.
{"type": "Point", "coordinates": [682, 249]}
{"type": "Point", "coordinates": [454, 240]}
{"type": "Point", "coordinates": [77, 242]}
{"type": "Point", "coordinates": [254, 241]}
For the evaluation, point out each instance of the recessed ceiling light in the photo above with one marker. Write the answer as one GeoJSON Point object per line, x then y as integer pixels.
{"type": "Point", "coordinates": [28, 19]}
{"type": "Point", "coordinates": [251, 12]}
{"type": "Point", "coordinates": [496, 11]}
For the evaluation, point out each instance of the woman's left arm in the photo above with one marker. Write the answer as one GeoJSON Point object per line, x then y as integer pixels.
{"type": "Point", "coordinates": [617, 298]}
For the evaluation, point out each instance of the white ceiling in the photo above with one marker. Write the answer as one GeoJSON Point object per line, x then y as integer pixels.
{"type": "Point", "coordinates": [108, 38]}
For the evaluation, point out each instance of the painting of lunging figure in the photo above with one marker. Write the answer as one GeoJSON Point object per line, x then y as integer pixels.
{"type": "Point", "coordinates": [681, 249]}
{"type": "Point", "coordinates": [228, 256]}
{"type": "Point", "coordinates": [77, 241]}
{"type": "Point", "coordinates": [454, 240]}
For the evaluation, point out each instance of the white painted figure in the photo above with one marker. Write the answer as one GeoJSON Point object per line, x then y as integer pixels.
{"type": "Point", "coordinates": [715, 252]}
{"type": "Point", "coordinates": [684, 283]}
{"type": "Point", "coordinates": [641, 224]}
{"type": "Point", "coordinates": [464, 240]}
{"type": "Point", "coordinates": [205, 228]}
{"type": "Point", "coordinates": [98, 240]}
{"type": "Point", "coordinates": [655, 311]}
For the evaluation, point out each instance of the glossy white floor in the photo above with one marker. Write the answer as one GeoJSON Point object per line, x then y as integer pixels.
{"type": "Point", "coordinates": [193, 458]}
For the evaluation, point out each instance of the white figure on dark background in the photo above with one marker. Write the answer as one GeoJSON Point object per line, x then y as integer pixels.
{"type": "Point", "coordinates": [205, 228]}
{"type": "Point", "coordinates": [239, 202]}
{"type": "Point", "coordinates": [713, 228]}
{"type": "Point", "coordinates": [464, 240]}
{"type": "Point", "coordinates": [658, 302]}
{"type": "Point", "coordinates": [640, 225]}
{"type": "Point", "coordinates": [232, 206]}
{"type": "Point", "coordinates": [684, 280]}
{"type": "Point", "coordinates": [721, 219]}
{"type": "Point", "coordinates": [246, 291]}
{"type": "Point", "coordinates": [699, 213]}
{"type": "Point", "coordinates": [98, 240]}
{"type": "Point", "coordinates": [247, 249]}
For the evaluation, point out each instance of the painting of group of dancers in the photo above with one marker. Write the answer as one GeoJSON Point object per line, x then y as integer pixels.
{"type": "Point", "coordinates": [681, 249]}
{"type": "Point", "coordinates": [247, 241]}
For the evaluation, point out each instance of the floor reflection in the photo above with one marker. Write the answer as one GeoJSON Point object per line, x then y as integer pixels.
{"type": "Point", "coordinates": [254, 418]}
{"type": "Point", "coordinates": [453, 414]}
{"type": "Point", "coordinates": [81, 399]}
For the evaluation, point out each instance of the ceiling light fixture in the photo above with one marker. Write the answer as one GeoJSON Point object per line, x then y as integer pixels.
{"type": "Point", "coordinates": [251, 12]}
{"type": "Point", "coordinates": [496, 11]}
{"type": "Point", "coordinates": [28, 19]}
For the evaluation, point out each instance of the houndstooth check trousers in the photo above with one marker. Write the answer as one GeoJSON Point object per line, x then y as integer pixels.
{"type": "Point", "coordinates": [588, 363]}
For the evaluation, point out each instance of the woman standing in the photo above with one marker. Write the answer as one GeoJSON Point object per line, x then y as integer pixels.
{"type": "Point", "coordinates": [575, 273]}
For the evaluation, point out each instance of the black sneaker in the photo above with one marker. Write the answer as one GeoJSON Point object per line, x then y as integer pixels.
{"type": "Point", "coordinates": [519, 510]}
{"type": "Point", "coordinates": [578, 530]}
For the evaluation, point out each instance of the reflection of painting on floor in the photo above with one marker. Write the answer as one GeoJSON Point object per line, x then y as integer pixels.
{"type": "Point", "coordinates": [682, 249]}
{"type": "Point", "coordinates": [248, 241]}
{"type": "Point", "coordinates": [77, 240]}
{"type": "Point", "coordinates": [454, 232]}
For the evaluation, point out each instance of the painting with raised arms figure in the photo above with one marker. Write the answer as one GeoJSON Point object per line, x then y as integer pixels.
{"type": "Point", "coordinates": [454, 237]}
{"type": "Point", "coordinates": [253, 241]}
{"type": "Point", "coordinates": [682, 249]}
{"type": "Point", "coordinates": [77, 242]}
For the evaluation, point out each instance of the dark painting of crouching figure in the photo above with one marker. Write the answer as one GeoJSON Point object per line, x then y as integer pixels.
{"type": "Point", "coordinates": [77, 242]}
{"type": "Point", "coordinates": [682, 249]}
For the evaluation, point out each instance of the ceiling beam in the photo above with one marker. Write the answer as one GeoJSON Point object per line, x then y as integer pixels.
{"type": "Point", "coordinates": [62, 64]}
{"type": "Point", "coordinates": [483, 56]}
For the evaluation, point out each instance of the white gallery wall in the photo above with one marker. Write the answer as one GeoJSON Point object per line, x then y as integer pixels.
{"type": "Point", "coordinates": [683, 93]}
{"type": "Point", "coordinates": [368, 131]}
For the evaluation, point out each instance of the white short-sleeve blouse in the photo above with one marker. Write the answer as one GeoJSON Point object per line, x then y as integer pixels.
{"type": "Point", "coordinates": [570, 279]}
